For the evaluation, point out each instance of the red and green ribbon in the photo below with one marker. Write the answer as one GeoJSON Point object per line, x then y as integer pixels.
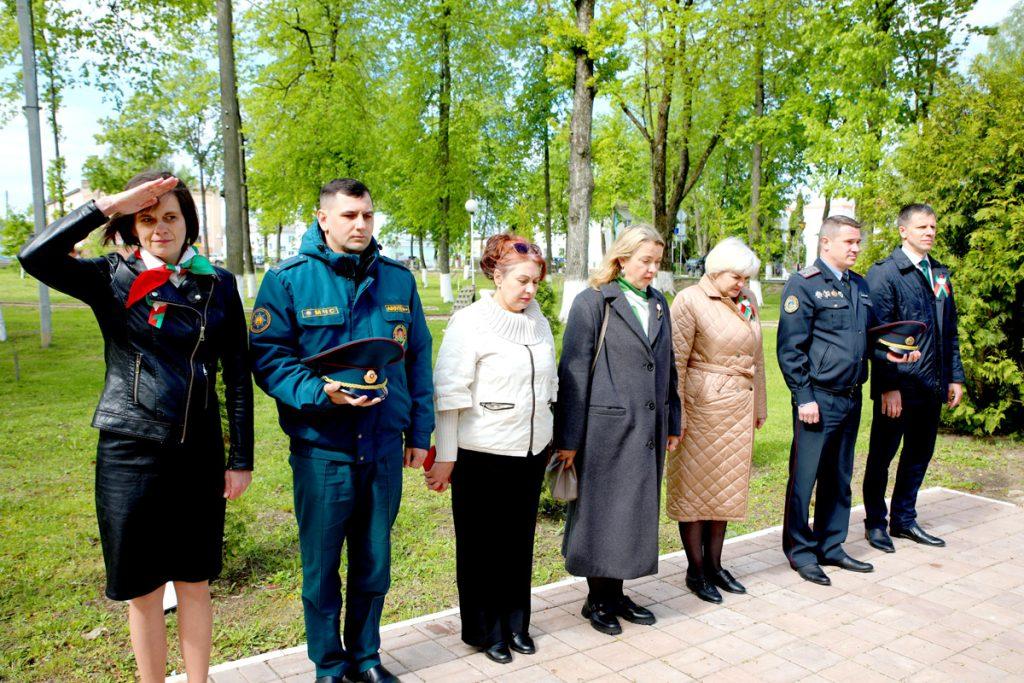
{"type": "Point", "coordinates": [941, 286]}
{"type": "Point", "coordinates": [153, 278]}
{"type": "Point", "coordinates": [746, 308]}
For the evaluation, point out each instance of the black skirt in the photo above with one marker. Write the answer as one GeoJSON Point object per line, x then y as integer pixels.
{"type": "Point", "coordinates": [160, 510]}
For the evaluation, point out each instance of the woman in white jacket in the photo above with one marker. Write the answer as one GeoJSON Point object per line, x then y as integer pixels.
{"type": "Point", "coordinates": [494, 383]}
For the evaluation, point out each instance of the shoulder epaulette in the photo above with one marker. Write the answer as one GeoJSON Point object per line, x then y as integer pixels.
{"type": "Point", "coordinates": [810, 271]}
{"type": "Point", "coordinates": [290, 262]}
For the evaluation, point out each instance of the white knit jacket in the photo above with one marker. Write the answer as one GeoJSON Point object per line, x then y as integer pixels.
{"type": "Point", "coordinates": [496, 371]}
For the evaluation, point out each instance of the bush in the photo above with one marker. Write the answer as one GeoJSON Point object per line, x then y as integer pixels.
{"type": "Point", "coordinates": [549, 306]}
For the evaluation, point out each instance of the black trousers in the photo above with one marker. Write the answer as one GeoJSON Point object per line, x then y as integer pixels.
{"type": "Point", "coordinates": [916, 426]}
{"type": "Point", "coordinates": [821, 453]}
{"type": "Point", "coordinates": [494, 505]}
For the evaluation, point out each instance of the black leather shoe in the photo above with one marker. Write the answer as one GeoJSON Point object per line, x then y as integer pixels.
{"type": "Point", "coordinates": [915, 533]}
{"type": "Point", "coordinates": [330, 679]}
{"type": "Point", "coordinates": [812, 572]}
{"type": "Point", "coordinates": [849, 564]}
{"type": "Point", "coordinates": [634, 613]}
{"type": "Point", "coordinates": [727, 582]}
{"type": "Point", "coordinates": [877, 538]}
{"type": "Point", "coordinates": [602, 618]}
{"type": "Point", "coordinates": [703, 589]}
{"type": "Point", "coordinates": [523, 644]}
{"type": "Point", "coordinates": [376, 674]}
{"type": "Point", "coordinates": [499, 653]}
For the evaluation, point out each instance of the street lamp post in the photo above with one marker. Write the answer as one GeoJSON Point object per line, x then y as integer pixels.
{"type": "Point", "coordinates": [467, 267]}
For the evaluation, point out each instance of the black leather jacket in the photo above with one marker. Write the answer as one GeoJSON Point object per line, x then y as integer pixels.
{"type": "Point", "coordinates": [900, 291]}
{"type": "Point", "coordinates": [160, 382]}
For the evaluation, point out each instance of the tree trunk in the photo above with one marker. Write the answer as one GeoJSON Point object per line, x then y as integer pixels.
{"type": "Point", "coordinates": [280, 229]}
{"type": "Point", "coordinates": [828, 207]}
{"type": "Point", "coordinates": [230, 132]}
{"type": "Point", "coordinates": [581, 176]}
{"type": "Point", "coordinates": [250, 271]}
{"type": "Point", "coordinates": [202, 205]}
{"type": "Point", "coordinates": [444, 153]}
{"type": "Point", "coordinates": [754, 231]}
{"type": "Point", "coordinates": [547, 193]}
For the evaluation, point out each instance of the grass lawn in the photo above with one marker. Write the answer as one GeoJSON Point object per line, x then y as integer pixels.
{"type": "Point", "coordinates": [58, 625]}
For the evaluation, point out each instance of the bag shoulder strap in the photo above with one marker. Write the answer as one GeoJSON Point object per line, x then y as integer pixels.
{"type": "Point", "coordinates": [600, 337]}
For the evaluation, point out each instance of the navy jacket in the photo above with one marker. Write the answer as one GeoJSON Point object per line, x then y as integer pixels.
{"type": "Point", "coordinates": [823, 340]}
{"type": "Point", "coordinates": [319, 299]}
{"type": "Point", "coordinates": [900, 291]}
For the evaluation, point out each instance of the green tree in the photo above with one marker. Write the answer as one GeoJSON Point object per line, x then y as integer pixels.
{"type": "Point", "coordinates": [966, 161]}
{"type": "Point", "coordinates": [15, 230]}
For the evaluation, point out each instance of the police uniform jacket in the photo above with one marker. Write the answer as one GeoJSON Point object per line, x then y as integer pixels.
{"type": "Point", "coordinates": [822, 340]}
{"type": "Point", "coordinates": [319, 299]}
{"type": "Point", "coordinates": [900, 291]}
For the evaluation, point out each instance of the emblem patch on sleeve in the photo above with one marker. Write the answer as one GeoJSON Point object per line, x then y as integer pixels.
{"type": "Point", "coordinates": [260, 320]}
{"type": "Point", "coordinates": [792, 303]}
{"type": "Point", "coordinates": [400, 333]}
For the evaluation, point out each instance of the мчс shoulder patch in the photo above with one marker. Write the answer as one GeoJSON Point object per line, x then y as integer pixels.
{"type": "Point", "coordinates": [260, 320]}
{"type": "Point", "coordinates": [792, 303]}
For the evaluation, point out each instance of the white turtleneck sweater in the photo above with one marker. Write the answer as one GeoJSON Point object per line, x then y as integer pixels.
{"type": "Point", "coordinates": [494, 381]}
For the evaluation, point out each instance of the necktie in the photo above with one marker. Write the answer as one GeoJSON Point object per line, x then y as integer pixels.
{"type": "Point", "coordinates": [150, 279]}
{"type": "Point", "coordinates": [926, 268]}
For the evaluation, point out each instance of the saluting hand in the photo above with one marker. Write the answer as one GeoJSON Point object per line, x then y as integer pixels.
{"type": "Point", "coordinates": [137, 198]}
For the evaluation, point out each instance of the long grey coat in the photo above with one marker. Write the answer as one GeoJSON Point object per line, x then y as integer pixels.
{"type": "Point", "coordinates": [618, 423]}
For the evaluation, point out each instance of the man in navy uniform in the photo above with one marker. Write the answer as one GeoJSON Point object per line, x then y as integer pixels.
{"type": "Point", "coordinates": [910, 285]}
{"type": "Point", "coordinates": [822, 349]}
{"type": "Point", "coordinates": [346, 450]}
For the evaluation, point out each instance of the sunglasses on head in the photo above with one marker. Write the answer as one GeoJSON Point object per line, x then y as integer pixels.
{"type": "Point", "coordinates": [524, 248]}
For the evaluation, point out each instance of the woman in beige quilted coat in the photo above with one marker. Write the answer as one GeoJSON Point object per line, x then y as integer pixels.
{"type": "Point", "coordinates": [716, 335]}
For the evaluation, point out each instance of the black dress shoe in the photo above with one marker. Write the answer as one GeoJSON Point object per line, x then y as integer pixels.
{"type": "Point", "coordinates": [330, 679]}
{"type": "Point", "coordinates": [634, 613]}
{"type": "Point", "coordinates": [915, 533]}
{"type": "Point", "coordinates": [877, 538]}
{"type": "Point", "coordinates": [703, 589]}
{"type": "Point", "coordinates": [812, 572]}
{"type": "Point", "coordinates": [523, 644]}
{"type": "Point", "coordinates": [376, 674]}
{"type": "Point", "coordinates": [499, 653]}
{"type": "Point", "coordinates": [849, 564]}
{"type": "Point", "coordinates": [727, 582]}
{"type": "Point", "coordinates": [602, 618]}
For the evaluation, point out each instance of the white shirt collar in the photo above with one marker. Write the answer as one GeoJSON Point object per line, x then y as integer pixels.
{"type": "Point", "coordinates": [151, 262]}
{"type": "Point", "coordinates": [915, 258]}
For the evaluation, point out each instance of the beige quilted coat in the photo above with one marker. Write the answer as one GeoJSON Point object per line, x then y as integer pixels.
{"type": "Point", "coordinates": [721, 384]}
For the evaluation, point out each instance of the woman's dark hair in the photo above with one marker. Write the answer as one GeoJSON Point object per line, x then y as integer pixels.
{"type": "Point", "coordinates": [122, 225]}
{"type": "Point", "coordinates": [504, 250]}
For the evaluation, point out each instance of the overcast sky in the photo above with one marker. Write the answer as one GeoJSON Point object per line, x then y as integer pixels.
{"type": "Point", "coordinates": [83, 108]}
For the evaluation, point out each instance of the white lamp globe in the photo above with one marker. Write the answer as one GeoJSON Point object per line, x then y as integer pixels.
{"type": "Point", "coordinates": [471, 205]}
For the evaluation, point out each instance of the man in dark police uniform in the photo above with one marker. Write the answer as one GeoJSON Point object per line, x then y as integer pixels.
{"type": "Point", "coordinates": [910, 285]}
{"type": "Point", "coordinates": [346, 447]}
{"type": "Point", "coordinates": [822, 349]}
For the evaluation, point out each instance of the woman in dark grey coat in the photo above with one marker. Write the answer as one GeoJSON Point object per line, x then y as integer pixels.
{"type": "Point", "coordinates": [614, 419]}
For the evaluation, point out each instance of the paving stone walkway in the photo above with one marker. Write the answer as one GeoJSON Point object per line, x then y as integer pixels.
{"type": "Point", "coordinates": [947, 614]}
